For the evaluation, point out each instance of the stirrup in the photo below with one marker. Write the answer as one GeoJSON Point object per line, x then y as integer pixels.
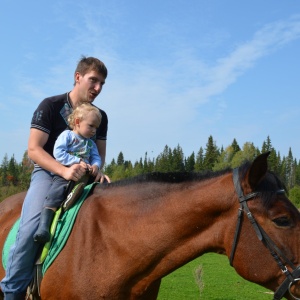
{"type": "Point", "coordinates": [73, 196]}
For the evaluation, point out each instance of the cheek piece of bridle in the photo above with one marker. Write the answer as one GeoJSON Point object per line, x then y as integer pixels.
{"type": "Point", "coordinates": [281, 260]}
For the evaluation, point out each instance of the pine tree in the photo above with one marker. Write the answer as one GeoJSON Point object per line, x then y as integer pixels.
{"type": "Point", "coordinates": [267, 145]}
{"type": "Point", "coordinates": [297, 173]}
{"type": "Point", "coordinates": [4, 170]}
{"type": "Point", "coordinates": [235, 146]}
{"type": "Point", "coordinates": [211, 154]}
{"type": "Point", "coordinates": [164, 161]}
{"type": "Point", "coordinates": [273, 161]}
{"type": "Point", "coordinates": [199, 164]}
{"type": "Point", "coordinates": [177, 160]}
{"type": "Point", "coordinates": [290, 170]}
{"type": "Point", "coordinates": [145, 166]}
{"type": "Point", "coordinates": [12, 171]}
{"type": "Point", "coordinates": [190, 163]}
{"type": "Point", "coordinates": [120, 160]}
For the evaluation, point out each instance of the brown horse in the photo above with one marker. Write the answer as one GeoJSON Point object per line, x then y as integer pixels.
{"type": "Point", "coordinates": [130, 234]}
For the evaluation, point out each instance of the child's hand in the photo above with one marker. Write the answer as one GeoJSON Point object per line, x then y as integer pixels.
{"type": "Point", "coordinates": [94, 170]}
{"type": "Point", "coordinates": [86, 166]}
{"type": "Point", "coordinates": [83, 164]}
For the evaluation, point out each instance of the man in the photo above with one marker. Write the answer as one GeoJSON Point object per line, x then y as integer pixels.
{"type": "Point", "coordinates": [49, 120]}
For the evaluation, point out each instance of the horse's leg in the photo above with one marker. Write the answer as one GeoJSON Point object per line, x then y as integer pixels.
{"type": "Point", "coordinates": [150, 294]}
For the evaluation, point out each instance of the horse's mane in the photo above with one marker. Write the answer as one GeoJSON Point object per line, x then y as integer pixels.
{"type": "Point", "coordinates": [169, 177]}
{"type": "Point", "coordinates": [267, 188]}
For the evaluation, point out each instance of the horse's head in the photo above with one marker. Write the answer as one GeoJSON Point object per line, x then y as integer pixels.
{"type": "Point", "coordinates": [266, 249]}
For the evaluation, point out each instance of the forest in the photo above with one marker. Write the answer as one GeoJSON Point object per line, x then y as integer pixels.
{"type": "Point", "coordinates": [15, 177]}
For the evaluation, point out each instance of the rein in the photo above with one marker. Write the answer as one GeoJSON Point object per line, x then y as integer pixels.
{"type": "Point", "coordinates": [279, 257]}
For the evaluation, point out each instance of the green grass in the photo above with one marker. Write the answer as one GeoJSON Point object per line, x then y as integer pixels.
{"type": "Point", "coordinates": [219, 281]}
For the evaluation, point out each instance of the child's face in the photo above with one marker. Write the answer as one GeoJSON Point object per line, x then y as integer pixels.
{"type": "Point", "coordinates": [88, 126]}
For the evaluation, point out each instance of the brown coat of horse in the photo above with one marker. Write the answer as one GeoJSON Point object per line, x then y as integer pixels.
{"type": "Point", "coordinates": [128, 235]}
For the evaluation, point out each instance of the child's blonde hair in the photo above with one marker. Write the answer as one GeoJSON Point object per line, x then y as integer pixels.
{"type": "Point", "coordinates": [81, 111]}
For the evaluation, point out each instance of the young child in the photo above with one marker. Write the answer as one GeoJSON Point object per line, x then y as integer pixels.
{"type": "Point", "coordinates": [71, 147]}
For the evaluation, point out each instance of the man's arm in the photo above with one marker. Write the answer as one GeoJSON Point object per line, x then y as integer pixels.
{"type": "Point", "coordinates": [101, 145]}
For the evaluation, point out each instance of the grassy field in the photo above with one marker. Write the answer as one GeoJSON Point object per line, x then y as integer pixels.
{"type": "Point", "coordinates": [219, 282]}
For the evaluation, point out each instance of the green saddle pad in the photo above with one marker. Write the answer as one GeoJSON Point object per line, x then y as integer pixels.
{"type": "Point", "coordinates": [63, 230]}
{"type": "Point", "coordinates": [10, 240]}
{"type": "Point", "coordinates": [64, 227]}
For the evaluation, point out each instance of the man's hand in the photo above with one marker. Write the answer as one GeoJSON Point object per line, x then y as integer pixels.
{"type": "Point", "coordinates": [93, 170]}
{"type": "Point", "coordinates": [101, 177]}
{"type": "Point", "coordinates": [74, 172]}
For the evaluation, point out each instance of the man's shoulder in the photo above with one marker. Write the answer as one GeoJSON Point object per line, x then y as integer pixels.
{"type": "Point", "coordinates": [103, 113]}
{"type": "Point", "coordinates": [55, 103]}
{"type": "Point", "coordinates": [57, 98]}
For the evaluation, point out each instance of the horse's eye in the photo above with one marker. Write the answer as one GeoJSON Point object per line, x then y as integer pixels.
{"type": "Point", "coordinates": [282, 222]}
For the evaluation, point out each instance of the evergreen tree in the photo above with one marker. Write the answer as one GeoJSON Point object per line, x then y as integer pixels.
{"type": "Point", "coordinates": [211, 154]}
{"type": "Point", "coordinates": [267, 145]}
{"type": "Point", "coordinates": [297, 172]}
{"type": "Point", "coordinates": [120, 160]}
{"type": "Point", "coordinates": [273, 161]}
{"type": "Point", "coordinates": [164, 161]}
{"type": "Point", "coordinates": [199, 164]}
{"type": "Point", "coordinates": [4, 170]}
{"type": "Point", "coordinates": [13, 174]}
{"type": "Point", "coordinates": [235, 146]}
{"type": "Point", "coordinates": [290, 170]}
{"type": "Point", "coordinates": [283, 171]}
{"type": "Point", "coordinates": [190, 163]}
{"type": "Point", "coordinates": [145, 166]}
{"type": "Point", "coordinates": [177, 160]}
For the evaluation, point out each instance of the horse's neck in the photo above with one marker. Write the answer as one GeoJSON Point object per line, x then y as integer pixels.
{"type": "Point", "coordinates": [187, 222]}
{"type": "Point", "coordinates": [160, 226]}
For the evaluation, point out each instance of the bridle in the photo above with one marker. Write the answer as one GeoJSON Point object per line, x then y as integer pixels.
{"type": "Point", "coordinates": [281, 260]}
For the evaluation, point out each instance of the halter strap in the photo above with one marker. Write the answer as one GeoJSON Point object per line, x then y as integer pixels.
{"type": "Point", "coordinates": [277, 254]}
{"type": "Point", "coordinates": [243, 207]}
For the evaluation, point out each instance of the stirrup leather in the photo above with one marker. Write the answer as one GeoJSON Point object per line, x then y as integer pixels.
{"type": "Point", "coordinates": [73, 196]}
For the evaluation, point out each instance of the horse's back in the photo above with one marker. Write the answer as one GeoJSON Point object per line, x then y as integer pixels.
{"type": "Point", "coordinates": [10, 210]}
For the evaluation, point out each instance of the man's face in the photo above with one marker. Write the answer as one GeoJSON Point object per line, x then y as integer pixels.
{"type": "Point", "coordinates": [89, 85]}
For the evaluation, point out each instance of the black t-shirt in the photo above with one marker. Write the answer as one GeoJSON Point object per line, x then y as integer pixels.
{"type": "Point", "coordinates": [51, 116]}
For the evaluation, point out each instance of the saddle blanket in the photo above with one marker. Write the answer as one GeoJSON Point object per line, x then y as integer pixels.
{"type": "Point", "coordinates": [63, 229]}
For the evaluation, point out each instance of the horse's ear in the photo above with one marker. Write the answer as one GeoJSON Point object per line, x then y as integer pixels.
{"type": "Point", "coordinates": [258, 169]}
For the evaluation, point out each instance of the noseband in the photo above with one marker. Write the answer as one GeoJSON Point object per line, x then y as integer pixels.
{"type": "Point", "coordinates": [281, 260]}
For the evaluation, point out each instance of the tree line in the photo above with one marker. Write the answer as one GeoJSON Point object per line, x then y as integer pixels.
{"type": "Point", "coordinates": [15, 177]}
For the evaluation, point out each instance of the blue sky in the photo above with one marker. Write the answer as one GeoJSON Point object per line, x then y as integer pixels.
{"type": "Point", "coordinates": [179, 71]}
